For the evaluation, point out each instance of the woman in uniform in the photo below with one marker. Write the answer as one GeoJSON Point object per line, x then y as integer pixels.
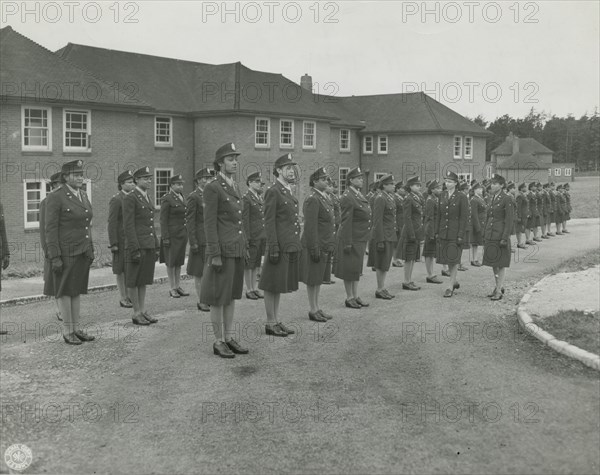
{"type": "Point", "coordinates": [452, 223]}
{"type": "Point", "coordinates": [69, 245]}
{"type": "Point", "coordinates": [141, 244]}
{"type": "Point", "coordinates": [463, 187]}
{"type": "Point", "coordinates": [399, 195]}
{"type": "Point", "coordinates": [567, 215]}
{"type": "Point", "coordinates": [353, 237]}
{"type": "Point", "coordinates": [226, 251]}
{"type": "Point", "coordinates": [281, 270]}
{"type": "Point", "coordinates": [4, 251]}
{"type": "Point", "coordinates": [116, 234]}
{"type": "Point", "coordinates": [496, 250]}
{"type": "Point", "coordinates": [434, 189]}
{"type": "Point", "coordinates": [531, 230]}
{"type": "Point", "coordinates": [510, 190]}
{"type": "Point", "coordinates": [195, 229]}
{"type": "Point", "coordinates": [331, 192]}
{"type": "Point", "coordinates": [522, 212]}
{"type": "Point", "coordinates": [317, 242]}
{"type": "Point", "coordinates": [254, 227]}
{"type": "Point", "coordinates": [478, 215]}
{"type": "Point", "coordinates": [384, 234]}
{"type": "Point", "coordinates": [174, 234]}
{"type": "Point", "coordinates": [412, 232]}
{"type": "Point", "coordinates": [561, 210]}
{"type": "Point", "coordinates": [552, 195]}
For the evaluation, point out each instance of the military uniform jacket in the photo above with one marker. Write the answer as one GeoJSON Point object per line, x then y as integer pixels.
{"type": "Point", "coordinates": [499, 221]}
{"type": "Point", "coordinates": [522, 208]}
{"type": "Point", "coordinates": [413, 218]}
{"type": "Point", "coordinates": [567, 196]}
{"type": "Point", "coordinates": [452, 219]}
{"type": "Point", "coordinates": [561, 203]}
{"type": "Point", "coordinates": [68, 227]}
{"type": "Point", "coordinates": [356, 218]}
{"type": "Point", "coordinates": [253, 217]}
{"type": "Point", "coordinates": [194, 216]}
{"type": "Point", "coordinates": [337, 213]}
{"type": "Point", "coordinates": [282, 222]}
{"type": "Point", "coordinates": [372, 198]}
{"type": "Point", "coordinates": [43, 227]}
{"type": "Point", "coordinates": [116, 231]}
{"type": "Point", "coordinates": [548, 208]}
{"type": "Point", "coordinates": [399, 199]}
{"type": "Point", "coordinates": [319, 223]}
{"type": "Point", "coordinates": [172, 216]}
{"type": "Point", "coordinates": [223, 220]}
{"type": "Point", "coordinates": [384, 219]}
{"type": "Point", "coordinates": [469, 214]}
{"type": "Point", "coordinates": [430, 216]}
{"type": "Point", "coordinates": [4, 252]}
{"type": "Point", "coordinates": [552, 196]}
{"type": "Point", "coordinates": [478, 213]}
{"type": "Point", "coordinates": [541, 204]}
{"type": "Point", "coordinates": [138, 221]}
{"type": "Point", "coordinates": [532, 200]}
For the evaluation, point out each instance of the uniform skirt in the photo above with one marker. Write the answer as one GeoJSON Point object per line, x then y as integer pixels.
{"type": "Point", "coordinates": [496, 256]}
{"type": "Point", "coordinates": [220, 288]}
{"type": "Point", "coordinates": [256, 249]}
{"type": "Point", "coordinates": [531, 222]}
{"type": "Point", "coordinates": [558, 217]}
{"type": "Point", "coordinates": [73, 280]}
{"type": "Point", "coordinates": [449, 252]}
{"type": "Point", "coordinates": [381, 260]}
{"type": "Point", "coordinates": [196, 261]}
{"type": "Point", "coordinates": [313, 273]}
{"type": "Point", "coordinates": [140, 273]}
{"type": "Point", "coordinates": [174, 255]}
{"type": "Point", "coordinates": [476, 238]}
{"type": "Point", "coordinates": [467, 240]}
{"type": "Point", "coordinates": [48, 278]}
{"type": "Point", "coordinates": [282, 277]}
{"type": "Point", "coordinates": [350, 266]}
{"type": "Point", "coordinates": [410, 251]}
{"type": "Point", "coordinates": [538, 221]}
{"type": "Point", "coordinates": [549, 219]}
{"type": "Point", "coordinates": [430, 248]}
{"type": "Point", "coordinates": [520, 227]}
{"type": "Point", "coordinates": [118, 260]}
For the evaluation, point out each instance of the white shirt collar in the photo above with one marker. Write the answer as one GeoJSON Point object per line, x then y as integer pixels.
{"type": "Point", "coordinates": [142, 192]}
{"type": "Point", "coordinates": [284, 183]}
{"type": "Point", "coordinates": [73, 190]}
{"type": "Point", "coordinates": [254, 193]}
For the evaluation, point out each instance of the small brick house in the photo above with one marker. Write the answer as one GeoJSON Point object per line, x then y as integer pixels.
{"type": "Point", "coordinates": [526, 160]}
{"type": "Point", "coordinates": [118, 110]}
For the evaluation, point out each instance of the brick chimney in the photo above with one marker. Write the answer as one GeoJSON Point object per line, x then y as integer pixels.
{"type": "Point", "coordinates": [306, 82]}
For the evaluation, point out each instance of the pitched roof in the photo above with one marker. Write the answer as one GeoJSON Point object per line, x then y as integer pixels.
{"type": "Point", "coordinates": [523, 161]}
{"type": "Point", "coordinates": [28, 70]}
{"type": "Point", "coordinates": [526, 145]}
{"type": "Point", "coordinates": [410, 113]}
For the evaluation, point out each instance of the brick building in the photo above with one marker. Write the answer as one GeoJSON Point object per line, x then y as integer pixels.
{"type": "Point", "coordinates": [118, 110]}
{"type": "Point", "coordinates": [526, 160]}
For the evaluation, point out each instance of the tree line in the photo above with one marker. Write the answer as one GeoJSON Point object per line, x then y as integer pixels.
{"type": "Point", "coordinates": [571, 139]}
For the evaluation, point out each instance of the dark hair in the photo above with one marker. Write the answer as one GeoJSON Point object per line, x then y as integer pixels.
{"type": "Point", "coordinates": [217, 164]}
{"type": "Point", "coordinates": [63, 177]}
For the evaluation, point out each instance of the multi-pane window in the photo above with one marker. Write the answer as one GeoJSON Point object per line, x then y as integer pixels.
{"type": "Point", "coordinates": [557, 172]}
{"type": "Point", "coordinates": [344, 140]}
{"type": "Point", "coordinates": [379, 176]}
{"type": "Point", "coordinates": [286, 133]}
{"type": "Point", "coordinates": [262, 132]}
{"type": "Point", "coordinates": [163, 131]}
{"type": "Point", "coordinates": [468, 148]}
{"type": "Point", "coordinates": [368, 144]}
{"type": "Point", "coordinates": [161, 183]}
{"type": "Point", "coordinates": [309, 134]}
{"type": "Point", "coordinates": [382, 144]}
{"type": "Point", "coordinates": [567, 172]}
{"type": "Point", "coordinates": [77, 129]}
{"type": "Point", "coordinates": [36, 128]}
{"type": "Point", "coordinates": [465, 177]}
{"type": "Point", "coordinates": [343, 174]}
{"type": "Point", "coordinates": [457, 146]}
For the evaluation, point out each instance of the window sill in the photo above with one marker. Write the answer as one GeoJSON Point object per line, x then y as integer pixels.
{"type": "Point", "coordinates": [79, 153]}
{"type": "Point", "coordinates": [32, 153]}
{"type": "Point", "coordinates": [32, 230]}
{"type": "Point", "coordinates": [309, 149]}
{"type": "Point", "coordinates": [162, 146]}
{"type": "Point", "coordinates": [346, 151]}
{"type": "Point", "coordinates": [261, 149]}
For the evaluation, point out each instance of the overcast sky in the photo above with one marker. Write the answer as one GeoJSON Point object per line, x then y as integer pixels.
{"type": "Point", "coordinates": [476, 57]}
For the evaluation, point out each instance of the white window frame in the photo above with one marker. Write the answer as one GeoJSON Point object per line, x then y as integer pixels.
{"type": "Point", "coordinates": [457, 146]}
{"type": "Point", "coordinates": [549, 171]}
{"type": "Point", "coordinates": [465, 177]}
{"type": "Point", "coordinates": [557, 172]}
{"type": "Point", "coordinates": [342, 181]}
{"type": "Point", "coordinates": [378, 175]}
{"type": "Point", "coordinates": [313, 135]}
{"type": "Point", "coordinates": [156, 195]}
{"type": "Point", "coordinates": [468, 148]}
{"type": "Point", "coordinates": [44, 192]}
{"type": "Point", "coordinates": [568, 171]}
{"type": "Point", "coordinates": [160, 143]}
{"type": "Point", "coordinates": [380, 140]}
{"type": "Point", "coordinates": [365, 150]}
{"type": "Point", "coordinates": [88, 130]}
{"type": "Point", "coordinates": [347, 147]}
{"type": "Point", "coordinates": [290, 133]}
{"type": "Point", "coordinates": [488, 172]}
{"type": "Point", "coordinates": [37, 148]}
{"type": "Point", "coordinates": [256, 132]}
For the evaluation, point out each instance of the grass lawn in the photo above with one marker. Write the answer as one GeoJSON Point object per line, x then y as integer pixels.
{"type": "Point", "coordinates": [585, 197]}
{"type": "Point", "coordinates": [583, 329]}
{"type": "Point", "coordinates": [582, 262]}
